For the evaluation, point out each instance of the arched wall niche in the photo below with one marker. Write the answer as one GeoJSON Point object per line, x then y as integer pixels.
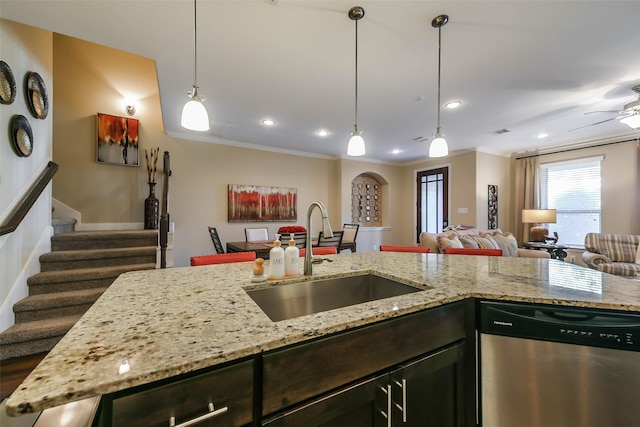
{"type": "Point", "coordinates": [369, 198]}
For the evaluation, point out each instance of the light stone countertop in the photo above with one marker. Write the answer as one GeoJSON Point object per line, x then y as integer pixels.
{"type": "Point", "coordinates": [173, 321]}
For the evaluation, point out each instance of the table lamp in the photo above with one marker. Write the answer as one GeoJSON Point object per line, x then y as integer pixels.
{"type": "Point", "coordinates": [538, 217]}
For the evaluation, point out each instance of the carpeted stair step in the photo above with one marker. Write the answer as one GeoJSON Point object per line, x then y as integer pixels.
{"type": "Point", "coordinates": [103, 240]}
{"type": "Point", "coordinates": [40, 336]}
{"type": "Point", "coordinates": [75, 280]}
{"type": "Point", "coordinates": [58, 304]}
{"type": "Point", "coordinates": [63, 225]}
{"type": "Point", "coordinates": [68, 260]}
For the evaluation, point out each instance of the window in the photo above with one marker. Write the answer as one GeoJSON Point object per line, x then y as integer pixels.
{"type": "Point", "coordinates": [573, 189]}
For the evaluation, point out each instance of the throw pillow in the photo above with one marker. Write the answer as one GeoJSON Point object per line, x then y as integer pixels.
{"type": "Point", "coordinates": [429, 240]}
{"type": "Point", "coordinates": [486, 242]}
{"type": "Point", "coordinates": [638, 255]}
{"type": "Point", "coordinates": [468, 242]}
{"type": "Point", "coordinates": [506, 242]}
{"type": "Point", "coordinates": [448, 241]}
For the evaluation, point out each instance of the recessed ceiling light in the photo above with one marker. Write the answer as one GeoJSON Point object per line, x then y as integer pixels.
{"type": "Point", "coordinates": [396, 151]}
{"type": "Point", "coordinates": [542, 135]}
{"type": "Point", "coordinates": [453, 104]}
{"type": "Point", "coordinates": [268, 122]}
{"type": "Point", "coordinates": [322, 132]}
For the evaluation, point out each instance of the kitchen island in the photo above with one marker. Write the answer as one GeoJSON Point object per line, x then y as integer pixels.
{"type": "Point", "coordinates": [164, 323]}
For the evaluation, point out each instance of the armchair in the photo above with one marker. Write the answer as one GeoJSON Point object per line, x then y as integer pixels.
{"type": "Point", "coordinates": [612, 253]}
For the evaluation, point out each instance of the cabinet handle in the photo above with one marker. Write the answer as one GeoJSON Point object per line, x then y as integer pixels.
{"type": "Point", "coordinates": [212, 413]}
{"type": "Point", "coordinates": [403, 408]}
{"type": "Point", "coordinates": [387, 415]}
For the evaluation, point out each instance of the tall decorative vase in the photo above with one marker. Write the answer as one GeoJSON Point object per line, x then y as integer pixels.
{"type": "Point", "coordinates": [151, 209]}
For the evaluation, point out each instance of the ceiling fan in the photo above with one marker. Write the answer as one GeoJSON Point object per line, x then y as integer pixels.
{"type": "Point", "coordinates": [629, 115]}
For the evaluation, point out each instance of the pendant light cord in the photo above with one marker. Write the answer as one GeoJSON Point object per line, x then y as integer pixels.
{"type": "Point", "coordinates": [195, 50]}
{"type": "Point", "coordinates": [356, 78]}
{"type": "Point", "coordinates": [439, 62]}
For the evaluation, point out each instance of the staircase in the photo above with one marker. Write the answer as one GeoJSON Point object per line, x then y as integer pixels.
{"type": "Point", "coordinates": [79, 268]}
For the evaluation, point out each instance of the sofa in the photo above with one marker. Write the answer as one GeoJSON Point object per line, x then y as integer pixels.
{"type": "Point", "coordinates": [612, 253]}
{"type": "Point", "coordinates": [478, 239]}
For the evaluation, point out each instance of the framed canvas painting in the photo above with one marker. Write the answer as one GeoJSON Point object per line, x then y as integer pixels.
{"type": "Point", "coordinates": [117, 140]}
{"type": "Point", "coordinates": [254, 203]}
{"type": "Point", "coordinates": [493, 207]}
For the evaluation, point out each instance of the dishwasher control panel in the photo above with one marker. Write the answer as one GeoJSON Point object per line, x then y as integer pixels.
{"type": "Point", "coordinates": [593, 327]}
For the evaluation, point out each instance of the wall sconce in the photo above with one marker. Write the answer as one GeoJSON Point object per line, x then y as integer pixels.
{"type": "Point", "coordinates": [130, 106]}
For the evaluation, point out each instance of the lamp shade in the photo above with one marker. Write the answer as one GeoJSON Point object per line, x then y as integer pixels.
{"type": "Point", "coordinates": [438, 147]}
{"type": "Point", "coordinates": [194, 116]}
{"type": "Point", "coordinates": [539, 216]}
{"type": "Point", "coordinates": [632, 121]}
{"type": "Point", "coordinates": [356, 145]}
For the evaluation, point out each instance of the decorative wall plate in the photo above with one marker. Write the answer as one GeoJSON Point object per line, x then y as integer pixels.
{"type": "Point", "coordinates": [7, 84]}
{"type": "Point", "coordinates": [37, 96]}
{"type": "Point", "coordinates": [21, 135]}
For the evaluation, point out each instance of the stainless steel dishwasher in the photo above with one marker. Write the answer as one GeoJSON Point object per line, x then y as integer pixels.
{"type": "Point", "coordinates": [550, 366]}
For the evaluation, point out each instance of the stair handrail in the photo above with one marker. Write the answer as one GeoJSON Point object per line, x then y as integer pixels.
{"type": "Point", "coordinates": [18, 214]}
{"type": "Point", "coordinates": [164, 215]}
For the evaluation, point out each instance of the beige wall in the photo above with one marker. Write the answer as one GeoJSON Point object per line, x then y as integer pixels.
{"type": "Point", "coordinates": [93, 79]}
{"type": "Point", "coordinates": [620, 184]}
{"type": "Point", "coordinates": [24, 49]}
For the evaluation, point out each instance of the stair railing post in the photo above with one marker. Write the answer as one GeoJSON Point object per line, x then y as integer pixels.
{"type": "Point", "coordinates": [164, 215]}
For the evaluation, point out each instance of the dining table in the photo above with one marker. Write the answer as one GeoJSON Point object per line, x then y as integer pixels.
{"type": "Point", "coordinates": [262, 248]}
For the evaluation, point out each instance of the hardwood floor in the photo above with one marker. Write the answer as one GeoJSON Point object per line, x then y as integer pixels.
{"type": "Point", "coordinates": [14, 371]}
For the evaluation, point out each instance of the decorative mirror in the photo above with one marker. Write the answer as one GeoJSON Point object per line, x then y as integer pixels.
{"type": "Point", "coordinates": [7, 84]}
{"type": "Point", "coordinates": [21, 135]}
{"type": "Point", "coordinates": [37, 97]}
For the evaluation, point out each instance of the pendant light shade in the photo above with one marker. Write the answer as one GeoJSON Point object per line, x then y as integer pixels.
{"type": "Point", "coordinates": [356, 145]}
{"type": "Point", "coordinates": [194, 113]}
{"type": "Point", "coordinates": [439, 147]}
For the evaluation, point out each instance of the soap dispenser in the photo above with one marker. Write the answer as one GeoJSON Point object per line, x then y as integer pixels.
{"type": "Point", "coordinates": [276, 259]}
{"type": "Point", "coordinates": [291, 258]}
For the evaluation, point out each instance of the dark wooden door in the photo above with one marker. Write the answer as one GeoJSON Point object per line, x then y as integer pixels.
{"type": "Point", "coordinates": [432, 200]}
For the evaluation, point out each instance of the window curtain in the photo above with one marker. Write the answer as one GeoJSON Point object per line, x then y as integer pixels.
{"type": "Point", "coordinates": [527, 194]}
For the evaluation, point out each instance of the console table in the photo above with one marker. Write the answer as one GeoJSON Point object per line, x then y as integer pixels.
{"type": "Point", "coordinates": [556, 251]}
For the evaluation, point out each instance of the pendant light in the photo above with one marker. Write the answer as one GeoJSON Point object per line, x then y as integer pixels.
{"type": "Point", "coordinates": [356, 143]}
{"type": "Point", "coordinates": [194, 114]}
{"type": "Point", "coordinates": [439, 147]}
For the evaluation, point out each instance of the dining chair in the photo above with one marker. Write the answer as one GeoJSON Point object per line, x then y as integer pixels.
{"type": "Point", "coordinates": [350, 232]}
{"type": "Point", "coordinates": [256, 234]}
{"type": "Point", "coordinates": [300, 238]}
{"type": "Point", "coordinates": [217, 244]}
{"type": "Point", "coordinates": [222, 258]}
{"type": "Point", "coordinates": [327, 250]}
{"type": "Point", "coordinates": [473, 251]}
{"type": "Point", "coordinates": [334, 241]}
{"type": "Point", "coordinates": [405, 248]}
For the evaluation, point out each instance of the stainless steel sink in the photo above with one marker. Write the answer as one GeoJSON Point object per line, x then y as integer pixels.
{"type": "Point", "coordinates": [299, 299]}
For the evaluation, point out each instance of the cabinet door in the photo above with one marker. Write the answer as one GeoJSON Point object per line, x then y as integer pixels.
{"type": "Point", "coordinates": [430, 391]}
{"type": "Point", "coordinates": [364, 404]}
{"type": "Point", "coordinates": [229, 390]}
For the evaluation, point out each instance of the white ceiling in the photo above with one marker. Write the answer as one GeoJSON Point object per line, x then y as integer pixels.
{"type": "Point", "coordinates": [525, 66]}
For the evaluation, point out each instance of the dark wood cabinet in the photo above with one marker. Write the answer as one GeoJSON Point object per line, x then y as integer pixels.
{"type": "Point", "coordinates": [301, 372]}
{"type": "Point", "coordinates": [431, 390]}
{"type": "Point", "coordinates": [360, 405]}
{"type": "Point", "coordinates": [424, 392]}
{"type": "Point", "coordinates": [419, 360]}
{"type": "Point", "coordinates": [229, 390]}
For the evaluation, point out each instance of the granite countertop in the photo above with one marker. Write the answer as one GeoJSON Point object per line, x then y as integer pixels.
{"type": "Point", "coordinates": [173, 321]}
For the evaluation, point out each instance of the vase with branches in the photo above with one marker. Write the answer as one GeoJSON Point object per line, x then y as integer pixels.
{"type": "Point", "coordinates": [151, 203]}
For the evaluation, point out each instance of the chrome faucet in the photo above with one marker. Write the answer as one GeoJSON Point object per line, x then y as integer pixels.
{"type": "Point", "coordinates": [326, 232]}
